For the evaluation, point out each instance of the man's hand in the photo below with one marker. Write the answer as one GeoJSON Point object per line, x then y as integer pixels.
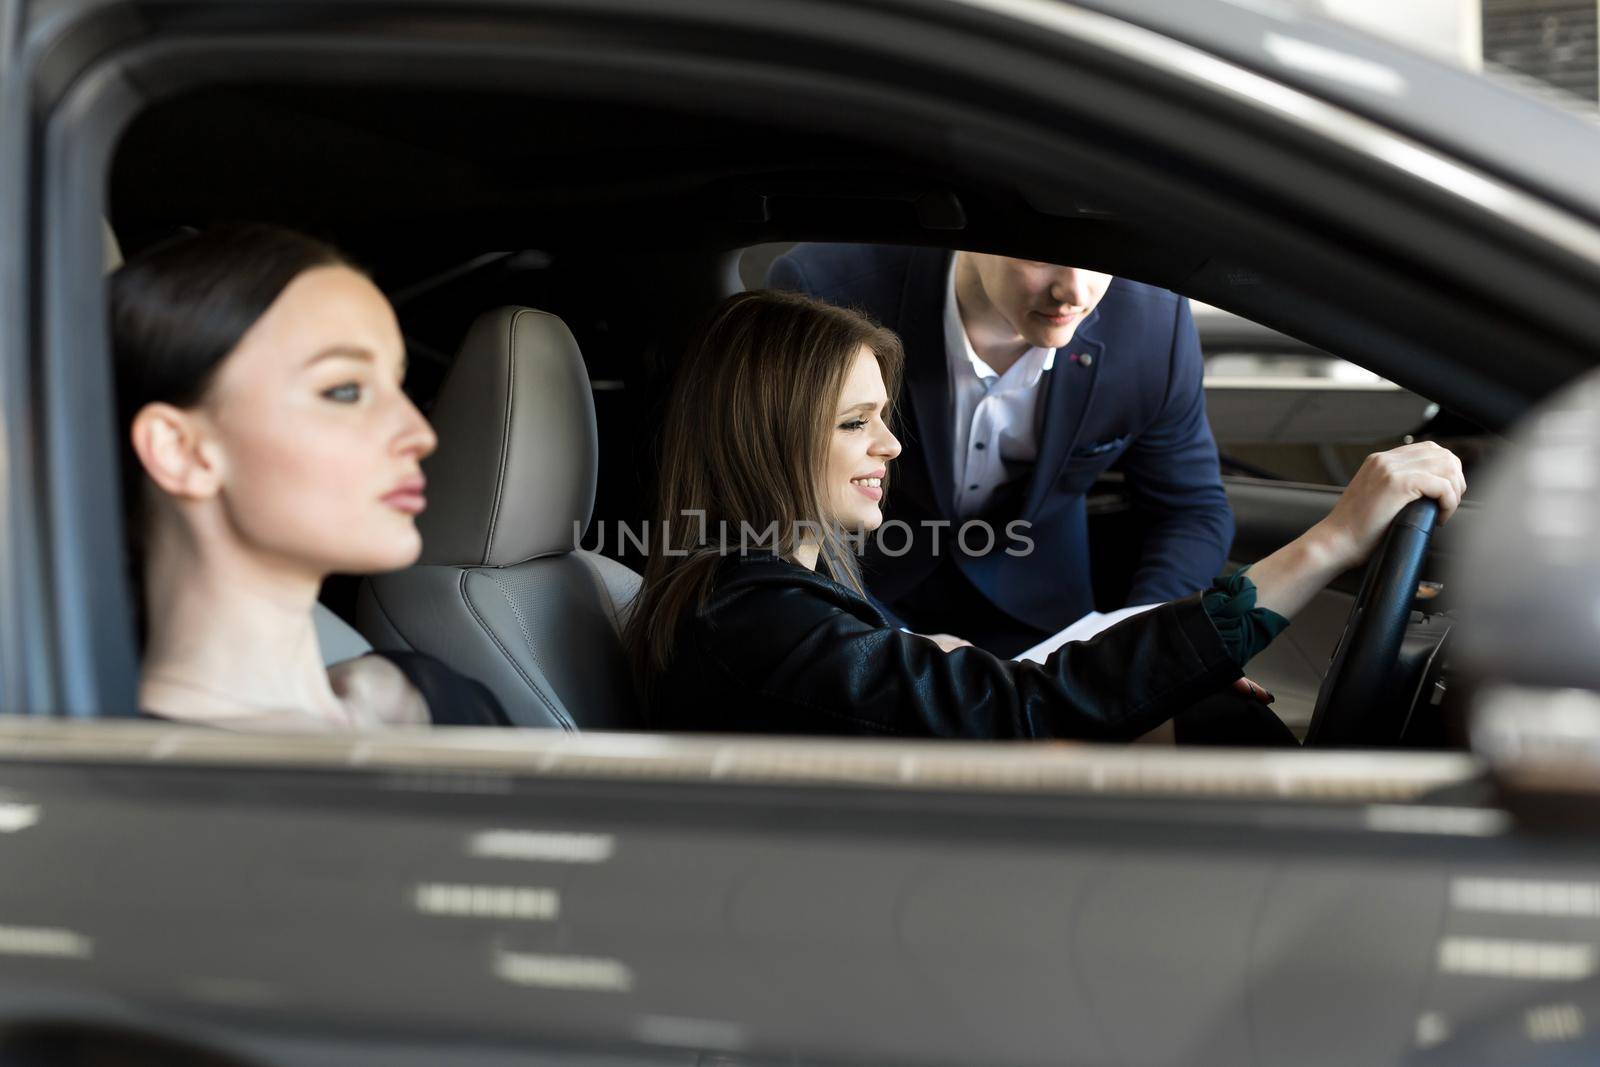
{"type": "Point", "coordinates": [948, 642]}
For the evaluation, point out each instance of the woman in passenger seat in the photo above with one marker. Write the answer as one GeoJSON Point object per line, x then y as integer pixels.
{"type": "Point", "coordinates": [775, 456]}
{"type": "Point", "coordinates": [267, 444]}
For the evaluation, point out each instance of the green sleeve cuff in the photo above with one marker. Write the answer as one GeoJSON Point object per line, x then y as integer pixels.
{"type": "Point", "coordinates": [1245, 629]}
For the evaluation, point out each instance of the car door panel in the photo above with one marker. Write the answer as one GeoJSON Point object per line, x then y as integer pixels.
{"type": "Point", "coordinates": [922, 902]}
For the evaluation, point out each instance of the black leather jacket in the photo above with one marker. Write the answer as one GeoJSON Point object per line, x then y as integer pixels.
{"type": "Point", "coordinates": [780, 649]}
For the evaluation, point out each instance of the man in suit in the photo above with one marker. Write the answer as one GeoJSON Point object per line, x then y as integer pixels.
{"type": "Point", "coordinates": [1024, 381]}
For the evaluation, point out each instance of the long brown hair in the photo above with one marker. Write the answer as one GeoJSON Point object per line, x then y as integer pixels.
{"type": "Point", "coordinates": [747, 434]}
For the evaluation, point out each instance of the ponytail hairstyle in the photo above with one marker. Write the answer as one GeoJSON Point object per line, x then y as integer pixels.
{"type": "Point", "coordinates": [177, 311]}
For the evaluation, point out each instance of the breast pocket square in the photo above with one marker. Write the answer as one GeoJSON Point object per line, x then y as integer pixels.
{"type": "Point", "coordinates": [1099, 448]}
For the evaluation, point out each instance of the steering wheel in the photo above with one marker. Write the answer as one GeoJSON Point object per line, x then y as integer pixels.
{"type": "Point", "coordinates": [1357, 704]}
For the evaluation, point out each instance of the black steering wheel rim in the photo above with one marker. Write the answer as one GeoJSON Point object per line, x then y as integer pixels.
{"type": "Point", "coordinates": [1357, 703]}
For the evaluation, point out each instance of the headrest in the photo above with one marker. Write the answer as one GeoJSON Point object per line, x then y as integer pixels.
{"type": "Point", "coordinates": [518, 453]}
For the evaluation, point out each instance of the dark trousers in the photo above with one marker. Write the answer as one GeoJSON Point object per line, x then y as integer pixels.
{"type": "Point", "coordinates": [1230, 718]}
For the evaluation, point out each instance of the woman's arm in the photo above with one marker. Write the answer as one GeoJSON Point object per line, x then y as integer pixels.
{"type": "Point", "coordinates": [1286, 580]}
{"type": "Point", "coordinates": [791, 658]}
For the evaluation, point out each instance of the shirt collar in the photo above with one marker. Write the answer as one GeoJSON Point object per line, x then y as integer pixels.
{"type": "Point", "coordinates": [958, 346]}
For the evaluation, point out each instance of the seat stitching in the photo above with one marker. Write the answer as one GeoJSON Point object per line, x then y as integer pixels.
{"type": "Point", "coordinates": [378, 603]}
{"type": "Point", "coordinates": [559, 714]}
{"type": "Point", "coordinates": [505, 438]}
{"type": "Point", "coordinates": [527, 631]}
{"type": "Point", "coordinates": [522, 622]}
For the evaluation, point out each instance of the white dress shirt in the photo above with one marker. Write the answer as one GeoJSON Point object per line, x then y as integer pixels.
{"type": "Point", "coordinates": [994, 417]}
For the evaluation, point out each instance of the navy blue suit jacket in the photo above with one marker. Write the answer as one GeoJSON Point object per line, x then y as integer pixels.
{"type": "Point", "coordinates": [1127, 387]}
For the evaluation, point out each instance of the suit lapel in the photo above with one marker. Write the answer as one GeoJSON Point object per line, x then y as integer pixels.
{"type": "Point", "coordinates": [1067, 396]}
{"type": "Point", "coordinates": [921, 329]}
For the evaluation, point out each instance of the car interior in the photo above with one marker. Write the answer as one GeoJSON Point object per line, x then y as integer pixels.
{"type": "Point", "coordinates": [551, 194]}
{"type": "Point", "coordinates": [549, 257]}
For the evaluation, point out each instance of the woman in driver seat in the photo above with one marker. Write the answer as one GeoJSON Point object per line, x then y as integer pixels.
{"type": "Point", "coordinates": [267, 444]}
{"type": "Point", "coordinates": [753, 615]}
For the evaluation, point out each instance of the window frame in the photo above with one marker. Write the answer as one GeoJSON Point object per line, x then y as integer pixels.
{"type": "Point", "coordinates": [65, 632]}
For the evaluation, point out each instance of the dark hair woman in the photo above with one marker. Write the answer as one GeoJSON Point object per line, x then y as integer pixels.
{"type": "Point", "coordinates": [267, 445]}
{"type": "Point", "coordinates": [779, 424]}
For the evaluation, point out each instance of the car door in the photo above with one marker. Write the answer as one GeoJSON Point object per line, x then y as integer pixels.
{"type": "Point", "coordinates": [911, 903]}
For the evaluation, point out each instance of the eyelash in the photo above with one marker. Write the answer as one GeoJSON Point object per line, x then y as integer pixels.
{"type": "Point", "coordinates": [853, 424]}
{"type": "Point", "coordinates": [332, 394]}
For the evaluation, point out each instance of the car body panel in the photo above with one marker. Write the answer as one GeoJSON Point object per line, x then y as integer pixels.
{"type": "Point", "coordinates": [1461, 112]}
{"type": "Point", "coordinates": [299, 900]}
{"type": "Point", "coordinates": [836, 902]}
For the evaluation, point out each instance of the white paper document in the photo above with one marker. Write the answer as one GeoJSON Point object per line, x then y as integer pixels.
{"type": "Point", "coordinates": [1081, 630]}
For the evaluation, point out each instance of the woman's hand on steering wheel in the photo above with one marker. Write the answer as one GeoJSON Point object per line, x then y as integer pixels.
{"type": "Point", "coordinates": [1286, 580]}
{"type": "Point", "coordinates": [1387, 482]}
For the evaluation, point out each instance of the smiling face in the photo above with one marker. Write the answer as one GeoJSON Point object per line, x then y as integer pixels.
{"type": "Point", "coordinates": [1041, 302]}
{"type": "Point", "coordinates": [860, 448]}
{"type": "Point", "coordinates": [315, 448]}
